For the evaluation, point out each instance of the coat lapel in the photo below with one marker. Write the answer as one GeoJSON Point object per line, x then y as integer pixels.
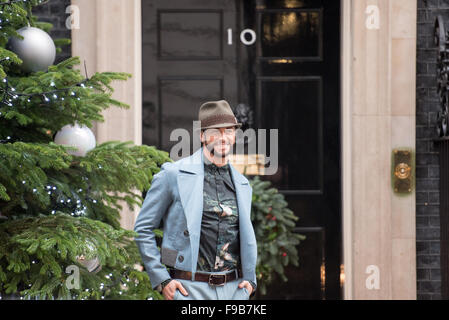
{"type": "Point", "coordinates": [242, 190]}
{"type": "Point", "coordinates": [190, 181]}
{"type": "Point", "coordinates": [244, 194]}
{"type": "Point", "coordinates": [190, 186]}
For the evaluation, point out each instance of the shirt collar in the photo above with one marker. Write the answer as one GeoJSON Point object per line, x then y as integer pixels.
{"type": "Point", "coordinates": [211, 167]}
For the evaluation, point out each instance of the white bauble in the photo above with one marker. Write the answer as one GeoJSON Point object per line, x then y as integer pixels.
{"type": "Point", "coordinates": [77, 136]}
{"type": "Point", "coordinates": [37, 49]}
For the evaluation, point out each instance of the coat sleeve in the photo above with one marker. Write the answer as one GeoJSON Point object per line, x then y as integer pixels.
{"type": "Point", "coordinates": [154, 207]}
{"type": "Point", "coordinates": [253, 277]}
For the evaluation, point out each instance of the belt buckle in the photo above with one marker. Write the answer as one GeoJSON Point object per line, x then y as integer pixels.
{"type": "Point", "coordinates": [211, 276]}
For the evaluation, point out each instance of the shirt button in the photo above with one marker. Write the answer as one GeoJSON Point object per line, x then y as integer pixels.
{"type": "Point", "coordinates": [181, 258]}
{"type": "Point", "coordinates": [186, 233]}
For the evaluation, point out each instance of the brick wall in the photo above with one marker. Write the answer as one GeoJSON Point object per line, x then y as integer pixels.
{"type": "Point", "coordinates": [54, 12]}
{"type": "Point", "coordinates": [427, 160]}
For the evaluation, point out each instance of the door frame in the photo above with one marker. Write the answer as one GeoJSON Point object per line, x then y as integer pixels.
{"type": "Point", "coordinates": [346, 159]}
{"type": "Point", "coordinates": [392, 245]}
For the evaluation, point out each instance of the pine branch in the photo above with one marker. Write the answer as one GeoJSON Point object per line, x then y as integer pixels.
{"type": "Point", "coordinates": [40, 177]}
{"type": "Point", "coordinates": [36, 252]}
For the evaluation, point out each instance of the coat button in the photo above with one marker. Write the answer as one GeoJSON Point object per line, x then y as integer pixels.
{"type": "Point", "coordinates": [186, 233]}
{"type": "Point", "coordinates": [181, 258]}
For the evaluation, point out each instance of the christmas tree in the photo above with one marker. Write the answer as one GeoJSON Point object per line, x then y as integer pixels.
{"type": "Point", "coordinates": [61, 193]}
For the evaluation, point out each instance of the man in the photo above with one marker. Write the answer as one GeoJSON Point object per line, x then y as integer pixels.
{"type": "Point", "coordinates": [209, 243]}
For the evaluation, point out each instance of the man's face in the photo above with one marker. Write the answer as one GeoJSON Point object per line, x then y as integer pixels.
{"type": "Point", "coordinates": [218, 141]}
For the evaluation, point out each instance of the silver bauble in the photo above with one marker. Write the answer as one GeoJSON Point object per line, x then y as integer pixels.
{"type": "Point", "coordinates": [77, 136]}
{"type": "Point", "coordinates": [37, 49]}
{"type": "Point", "coordinates": [92, 265]}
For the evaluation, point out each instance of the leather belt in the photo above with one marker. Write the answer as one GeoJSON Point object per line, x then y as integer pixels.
{"type": "Point", "coordinates": [216, 279]}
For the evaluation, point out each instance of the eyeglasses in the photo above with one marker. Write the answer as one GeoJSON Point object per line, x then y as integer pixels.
{"type": "Point", "coordinates": [217, 132]}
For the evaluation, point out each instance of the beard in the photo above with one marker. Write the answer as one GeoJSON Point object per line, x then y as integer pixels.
{"type": "Point", "coordinates": [216, 154]}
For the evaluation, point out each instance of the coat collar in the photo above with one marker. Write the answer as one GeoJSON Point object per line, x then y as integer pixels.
{"type": "Point", "coordinates": [194, 164]}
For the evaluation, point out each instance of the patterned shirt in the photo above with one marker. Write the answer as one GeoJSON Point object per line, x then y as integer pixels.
{"type": "Point", "coordinates": [219, 248]}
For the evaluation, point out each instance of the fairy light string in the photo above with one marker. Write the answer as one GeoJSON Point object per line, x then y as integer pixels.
{"type": "Point", "coordinates": [5, 3]}
{"type": "Point", "coordinates": [10, 94]}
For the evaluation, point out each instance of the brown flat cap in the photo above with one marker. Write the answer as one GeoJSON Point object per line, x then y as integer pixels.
{"type": "Point", "coordinates": [217, 114]}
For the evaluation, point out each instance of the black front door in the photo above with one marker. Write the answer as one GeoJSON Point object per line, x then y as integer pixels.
{"type": "Point", "coordinates": [289, 76]}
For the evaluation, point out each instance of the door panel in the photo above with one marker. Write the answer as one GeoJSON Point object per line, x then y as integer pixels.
{"type": "Point", "coordinates": [300, 130]}
{"type": "Point", "coordinates": [178, 100]}
{"type": "Point", "coordinates": [200, 31]}
{"type": "Point", "coordinates": [290, 33]}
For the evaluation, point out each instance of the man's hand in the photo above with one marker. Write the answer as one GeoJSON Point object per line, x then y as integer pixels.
{"type": "Point", "coordinates": [247, 285]}
{"type": "Point", "coordinates": [170, 289]}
